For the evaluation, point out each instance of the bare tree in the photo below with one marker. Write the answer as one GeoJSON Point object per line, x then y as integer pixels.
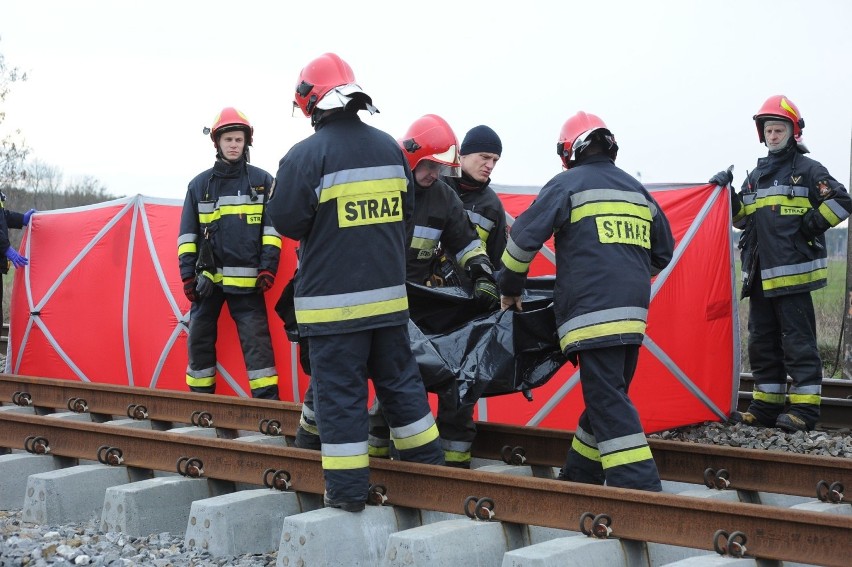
{"type": "Point", "coordinates": [43, 181]}
{"type": "Point", "coordinates": [13, 148]}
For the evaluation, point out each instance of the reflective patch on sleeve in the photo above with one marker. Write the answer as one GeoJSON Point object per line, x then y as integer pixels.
{"type": "Point", "coordinates": [624, 230]}
{"type": "Point", "coordinates": [360, 210]}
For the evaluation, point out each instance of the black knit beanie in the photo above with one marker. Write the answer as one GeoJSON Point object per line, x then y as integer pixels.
{"type": "Point", "coordinates": [481, 139]}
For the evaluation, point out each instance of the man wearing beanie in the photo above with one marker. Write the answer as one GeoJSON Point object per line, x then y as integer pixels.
{"type": "Point", "coordinates": [479, 152]}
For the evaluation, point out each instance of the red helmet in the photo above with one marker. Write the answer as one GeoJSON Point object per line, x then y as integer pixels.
{"type": "Point", "coordinates": [431, 138]}
{"type": "Point", "coordinates": [228, 120]}
{"type": "Point", "coordinates": [319, 77]}
{"type": "Point", "coordinates": [576, 135]}
{"type": "Point", "coordinates": [780, 107]}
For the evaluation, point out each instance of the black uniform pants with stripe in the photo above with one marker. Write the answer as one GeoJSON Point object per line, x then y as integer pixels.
{"type": "Point", "coordinates": [610, 446]}
{"type": "Point", "coordinates": [249, 313]}
{"type": "Point", "coordinates": [782, 341]}
{"type": "Point", "coordinates": [340, 367]}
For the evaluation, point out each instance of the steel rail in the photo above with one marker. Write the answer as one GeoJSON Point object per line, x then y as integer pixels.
{"type": "Point", "coordinates": [769, 533]}
{"type": "Point", "coordinates": [744, 469]}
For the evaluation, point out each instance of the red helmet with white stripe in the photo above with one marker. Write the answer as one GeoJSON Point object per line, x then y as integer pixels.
{"type": "Point", "coordinates": [431, 138]}
{"type": "Point", "coordinates": [576, 136]}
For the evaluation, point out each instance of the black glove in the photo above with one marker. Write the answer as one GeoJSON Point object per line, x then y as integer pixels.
{"type": "Point", "coordinates": [485, 293]}
{"type": "Point", "coordinates": [189, 289]}
{"type": "Point", "coordinates": [265, 281]}
{"type": "Point", "coordinates": [723, 178]}
{"type": "Point", "coordinates": [204, 285]}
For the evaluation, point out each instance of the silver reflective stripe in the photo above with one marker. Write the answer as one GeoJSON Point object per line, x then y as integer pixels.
{"type": "Point", "coordinates": [749, 198]}
{"type": "Point", "coordinates": [344, 449]}
{"type": "Point", "coordinates": [236, 200]}
{"type": "Point", "coordinates": [806, 389]}
{"type": "Point", "coordinates": [794, 269]}
{"type": "Point", "coordinates": [308, 413]}
{"type": "Point", "coordinates": [594, 195]}
{"type": "Point", "coordinates": [427, 232]}
{"type": "Point", "coordinates": [238, 272]}
{"type": "Point", "coordinates": [412, 429]}
{"type": "Point", "coordinates": [622, 443]}
{"type": "Point", "coordinates": [187, 238]}
{"type": "Point", "coordinates": [477, 219]}
{"type": "Point", "coordinates": [584, 436]}
{"type": "Point", "coordinates": [517, 253]}
{"type": "Point", "coordinates": [350, 299]}
{"type": "Point", "coordinates": [771, 388]}
{"type": "Point", "coordinates": [362, 174]}
{"type": "Point", "coordinates": [603, 316]}
{"type": "Point", "coordinates": [262, 373]}
{"type": "Point", "coordinates": [206, 208]}
{"type": "Point", "coordinates": [835, 207]}
{"type": "Point", "coordinates": [269, 231]}
{"type": "Point", "coordinates": [785, 190]}
{"type": "Point", "coordinates": [203, 373]}
{"type": "Point", "coordinates": [457, 446]}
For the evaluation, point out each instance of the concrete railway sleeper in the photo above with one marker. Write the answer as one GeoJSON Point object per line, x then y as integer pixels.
{"type": "Point", "coordinates": [772, 533]}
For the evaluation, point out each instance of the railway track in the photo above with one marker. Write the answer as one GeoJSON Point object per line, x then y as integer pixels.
{"type": "Point", "coordinates": [773, 533]}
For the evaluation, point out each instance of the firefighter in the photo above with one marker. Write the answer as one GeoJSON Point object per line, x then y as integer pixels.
{"type": "Point", "coordinates": [480, 150]}
{"type": "Point", "coordinates": [440, 224]}
{"type": "Point", "coordinates": [10, 219]}
{"type": "Point", "coordinates": [611, 238]}
{"type": "Point", "coordinates": [228, 252]}
{"type": "Point", "coordinates": [345, 194]}
{"type": "Point", "coordinates": [784, 207]}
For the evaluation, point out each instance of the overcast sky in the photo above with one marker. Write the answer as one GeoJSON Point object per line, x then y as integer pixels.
{"type": "Point", "coordinates": [120, 91]}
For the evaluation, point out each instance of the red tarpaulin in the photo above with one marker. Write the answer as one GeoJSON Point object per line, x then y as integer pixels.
{"type": "Point", "coordinates": [102, 301]}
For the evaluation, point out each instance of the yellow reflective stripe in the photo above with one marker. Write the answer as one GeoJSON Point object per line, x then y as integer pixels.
{"type": "Point", "coordinates": [263, 382]}
{"type": "Point", "coordinates": [478, 251]}
{"type": "Point", "coordinates": [514, 265]}
{"type": "Point", "coordinates": [187, 248]}
{"type": "Point", "coordinates": [482, 233]}
{"type": "Point", "coordinates": [602, 330]}
{"type": "Point", "coordinates": [610, 208]}
{"type": "Point", "coordinates": [378, 451]}
{"type": "Point", "coordinates": [308, 427]}
{"type": "Point", "coordinates": [586, 451]}
{"type": "Point", "coordinates": [419, 440]}
{"type": "Point", "coordinates": [236, 281]}
{"type": "Point", "coordinates": [768, 398]}
{"type": "Point", "coordinates": [456, 456]}
{"type": "Point", "coordinates": [812, 399]}
{"type": "Point", "coordinates": [783, 200]}
{"type": "Point", "coordinates": [626, 457]}
{"type": "Point", "coordinates": [345, 463]}
{"type": "Point", "coordinates": [828, 215]}
{"type": "Point", "coordinates": [207, 218]}
{"type": "Point", "coordinates": [357, 188]}
{"type": "Point", "coordinates": [739, 216]}
{"type": "Point", "coordinates": [420, 243]}
{"type": "Point", "coordinates": [373, 309]}
{"type": "Point", "coordinates": [200, 382]}
{"type": "Point", "coordinates": [271, 241]}
{"type": "Point", "coordinates": [798, 279]}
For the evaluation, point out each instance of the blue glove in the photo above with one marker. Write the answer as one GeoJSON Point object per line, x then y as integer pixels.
{"type": "Point", "coordinates": [27, 216]}
{"type": "Point", "coordinates": [17, 260]}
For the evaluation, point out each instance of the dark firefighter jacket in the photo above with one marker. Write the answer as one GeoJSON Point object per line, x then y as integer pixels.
{"type": "Point", "coordinates": [9, 219]}
{"type": "Point", "coordinates": [486, 212]}
{"type": "Point", "coordinates": [345, 194]}
{"type": "Point", "coordinates": [227, 204]}
{"type": "Point", "coordinates": [785, 206]}
{"type": "Point", "coordinates": [439, 217]}
{"type": "Point", "coordinates": [611, 237]}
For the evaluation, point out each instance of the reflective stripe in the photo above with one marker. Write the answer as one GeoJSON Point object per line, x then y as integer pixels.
{"type": "Point", "coordinates": [187, 238]}
{"type": "Point", "coordinates": [346, 176]}
{"type": "Point", "coordinates": [421, 432]}
{"type": "Point", "coordinates": [269, 240]}
{"type": "Point", "coordinates": [606, 322]}
{"type": "Point", "coordinates": [456, 457]}
{"type": "Point", "coordinates": [203, 373]}
{"type": "Point", "coordinates": [515, 258]}
{"type": "Point", "coordinates": [378, 452]}
{"type": "Point", "coordinates": [832, 212]}
{"type": "Point", "coordinates": [591, 195]}
{"type": "Point", "coordinates": [485, 223]}
{"type": "Point", "coordinates": [189, 248]}
{"type": "Point", "coordinates": [585, 437]}
{"type": "Point", "coordinates": [626, 457]}
{"type": "Point", "coordinates": [368, 186]}
{"type": "Point", "coordinates": [786, 191]}
{"type": "Point", "coordinates": [631, 441]}
{"type": "Point", "coordinates": [374, 441]}
{"type": "Point", "coordinates": [347, 306]}
{"type": "Point", "coordinates": [309, 414]}
{"type": "Point", "coordinates": [456, 446]}
{"type": "Point", "coordinates": [816, 389]}
{"type": "Point", "coordinates": [425, 237]}
{"type": "Point", "coordinates": [473, 249]}
{"type": "Point", "coordinates": [584, 450]}
{"type": "Point", "coordinates": [610, 208]}
{"type": "Point", "coordinates": [263, 381]}
{"type": "Point", "coordinates": [309, 427]}
{"type": "Point", "coordinates": [200, 382]}
{"type": "Point", "coordinates": [809, 399]}
{"type": "Point", "coordinates": [777, 399]}
{"type": "Point", "coordinates": [771, 388]}
{"type": "Point", "coordinates": [795, 274]}
{"type": "Point", "coordinates": [341, 456]}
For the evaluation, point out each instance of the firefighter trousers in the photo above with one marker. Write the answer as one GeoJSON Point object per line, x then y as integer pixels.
{"type": "Point", "coordinates": [249, 314]}
{"type": "Point", "coordinates": [340, 366]}
{"type": "Point", "coordinates": [609, 445]}
{"type": "Point", "coordinates": [782, 341]}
